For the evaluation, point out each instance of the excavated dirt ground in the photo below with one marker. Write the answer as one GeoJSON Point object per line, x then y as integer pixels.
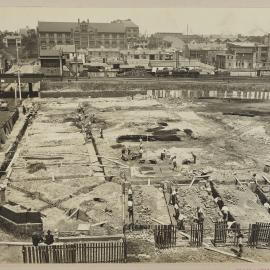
{"type": "Point", "coordinates": [224, 144]}
{"type": "Point", "coordinates": [243, 205]}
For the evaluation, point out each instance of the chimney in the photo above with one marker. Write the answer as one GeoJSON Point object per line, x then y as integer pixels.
{"type": "Point", "coordinates": [78, 21]}
{"type": "Point", "coordinates": [88, 21]}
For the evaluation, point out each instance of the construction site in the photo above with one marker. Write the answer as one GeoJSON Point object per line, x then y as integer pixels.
{"type": "Point", "coordinates": [134, 172]}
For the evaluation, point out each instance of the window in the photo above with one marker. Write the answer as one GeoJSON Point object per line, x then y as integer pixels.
{"type": "Point", "coordinates": [136, 56]}
{"type": "Point", "coordinates": [152, 57]}
{"type": "Point", "coordinates": [51, 35]}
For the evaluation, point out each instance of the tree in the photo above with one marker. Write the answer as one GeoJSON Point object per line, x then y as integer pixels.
{"type": "Point", "coordinates": [30, 43]}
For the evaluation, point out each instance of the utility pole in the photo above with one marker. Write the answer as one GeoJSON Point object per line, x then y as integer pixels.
{"type": "Point", "coordinates": [188, 46]}
{"type": "Point", "coordinates": [18, 72]}
{"type": "Point", "coordinates": [76, 59]}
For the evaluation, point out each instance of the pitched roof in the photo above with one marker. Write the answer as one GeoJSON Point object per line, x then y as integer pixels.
{"type": "Point", "coordinates": [56, 26]}
{"type": "Point", "coordinates": [243, 44]}
{"type": "Point", "coordinates": [49, 53]}
{"type": "Point", "coordinates": [109, 27]}
{"type": "Point", "coordinates": [207, 46]}
{"type": "Point", "coordinates": [67, 26]}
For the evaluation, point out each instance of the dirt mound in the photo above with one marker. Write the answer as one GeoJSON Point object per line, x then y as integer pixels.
{"type": "Point", "coordinates": [161, 137]}
{"type": "Point", "coordinates": [34, 167]}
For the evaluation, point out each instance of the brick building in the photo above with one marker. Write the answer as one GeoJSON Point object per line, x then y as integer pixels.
{"type": "Point", "coordinates": [85, 34]}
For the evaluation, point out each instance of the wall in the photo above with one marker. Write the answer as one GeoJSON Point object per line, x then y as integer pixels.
{"type": "Point", "coordinates": [20, 229]}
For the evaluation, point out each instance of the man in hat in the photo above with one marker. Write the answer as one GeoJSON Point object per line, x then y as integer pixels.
{"type": "Point", "coordinates": [49, 239]}
{"type": "Point", "coordinates": [240, 243]}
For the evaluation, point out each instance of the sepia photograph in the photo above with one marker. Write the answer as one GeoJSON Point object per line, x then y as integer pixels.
{"type": "Point", "coordinates": [133, 135]}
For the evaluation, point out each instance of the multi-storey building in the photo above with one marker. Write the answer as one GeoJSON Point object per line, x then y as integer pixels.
{"type": "Point", "coordinates": [85, 34]}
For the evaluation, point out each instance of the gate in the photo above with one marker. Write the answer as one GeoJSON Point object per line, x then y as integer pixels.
{"type": "Point", "coordinates": [165, 236]}
{"type": "Point", "coordinates": [196, 235]}
{"type": "Point", "coordinates": [220, 235]}
{"type": "Point", "coordinates": [94, 252]}
{"type": "Point", "coordinates": [259, 234]}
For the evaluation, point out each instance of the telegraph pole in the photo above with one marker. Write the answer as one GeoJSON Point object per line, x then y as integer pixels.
{"type": "Point", "coordinates": [19, 78]}
{"type": "Point", "coordinates": [76, 57]}
{"type": "Point", "coordinates": [188, 46]}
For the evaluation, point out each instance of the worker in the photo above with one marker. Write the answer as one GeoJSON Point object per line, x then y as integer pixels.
{"type": "Point", "coordinates": [163, 154]}
{"type": "Point", "coordinates": [128, 150]}
{"type": "Point", "coordinates": [177, 213]}
{"type": "Point", "coordinates": [3, 193]}
{"type": "Point", "coordinates": [254, 179]}
{"type": "Point", "coordinates": [49, 239]}
{"type": "Point", "coordinates": [130, 194]}
{"type": "Point", "coordinates": [200, 215]}
{"type": "Point", "coordinates": [173, 197]}
{"type": "Point", "coordinates": [24, 109]}
{"type": "Point", "coordinates": [36, 239]}
{"type": "Point", "coordinates": [267, 206]}
{"type": "Point", "coordinates": [194, 157]}
{"type": "Point", "coordinates": [219, 202]}
{"type": "Point", "coordinates": [140, 153]}
{"type": "Point", "coordinates": [225, 212]}
{"type": "Point", "coordinates": [130, 211]}
{"type": "Point", "coordinates": [174, 163]}
{"type": "Point", "coordinates": [180, 222]}
{"type": "Point", "coordinates": [141, 144]}
{"type": "Point", "coordinates": [240, 243]}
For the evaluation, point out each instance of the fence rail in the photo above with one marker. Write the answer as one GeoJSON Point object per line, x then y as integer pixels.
{"type": "Point", "coordinates": [196, 235]}
{"type": "Point", "coordinates": [165, 236]}
{"type": "Point", "coordinates": [94, 252]}
{"type": "Point", "coordinates": [259, 234]}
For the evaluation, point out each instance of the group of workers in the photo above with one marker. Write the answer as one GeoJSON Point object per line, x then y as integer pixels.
{"type": "Point", "coordinates": [173, 161]}
{"type": "Point", "coordinates": [86, 123]}
{"type": "Point", "coordinates": [37, 238]}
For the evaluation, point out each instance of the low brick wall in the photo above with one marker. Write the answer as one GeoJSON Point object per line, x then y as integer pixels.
{"type": "Point", "coordinates": [20, 229]}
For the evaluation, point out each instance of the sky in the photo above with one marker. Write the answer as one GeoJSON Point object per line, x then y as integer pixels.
{"type": "Point", "coordinates": [246, 21]}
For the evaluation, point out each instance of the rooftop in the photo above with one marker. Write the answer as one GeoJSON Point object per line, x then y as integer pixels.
{"type": "Point", "coordinates": [207, 46]}
{"type": "Point", "coordinates": [243, 44]}
{"type": "Point", "coordinates": [114, 27]}
{"type": "Point", "coordinates": [49, 53]}
{"type": "Point", "coordinates": [65, 48]}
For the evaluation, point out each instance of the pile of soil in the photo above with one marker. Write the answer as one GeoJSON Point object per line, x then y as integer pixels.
{"type": "Point", "coordinates": [168, 136]}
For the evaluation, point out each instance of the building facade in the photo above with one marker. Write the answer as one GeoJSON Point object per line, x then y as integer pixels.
{"type": "Point", "coordinates": [204, 52]}
{"type": "Point", "coordinates": [85, 34]}
{"type": "Point", "coordinates": [12, 41]}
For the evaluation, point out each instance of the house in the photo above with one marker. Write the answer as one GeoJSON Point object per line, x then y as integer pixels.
{"type": "Point", "coordinates": [12, 41]}
{"type": "Point", "coordinates": [51, 62]}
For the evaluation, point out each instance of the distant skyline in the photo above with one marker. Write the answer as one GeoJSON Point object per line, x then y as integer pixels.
{"type": "Point", "coordinates": [245, 21]}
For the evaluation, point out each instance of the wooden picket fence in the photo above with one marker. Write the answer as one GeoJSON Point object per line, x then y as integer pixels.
{"type": "Point", "coordinates": [91, 252]}
{"type": "Point", "coordinates": [259, 234]}
{"type": "Point", "coordinates": [220, 234]}
{"type": "Point", "coordinates": [165, 236]}
{"type": "Point", "coordinates": [196, 235]}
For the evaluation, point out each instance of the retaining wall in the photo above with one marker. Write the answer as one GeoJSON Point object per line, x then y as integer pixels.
{"type": "Point", "coordinates": [20, 229]}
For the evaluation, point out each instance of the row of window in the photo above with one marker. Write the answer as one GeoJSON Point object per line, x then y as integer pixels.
{"type": "Point", "coordinates": [68, 35]}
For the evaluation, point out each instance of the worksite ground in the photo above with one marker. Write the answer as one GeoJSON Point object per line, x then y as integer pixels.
{"type": "Point", "coordinates": [224, 145]}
